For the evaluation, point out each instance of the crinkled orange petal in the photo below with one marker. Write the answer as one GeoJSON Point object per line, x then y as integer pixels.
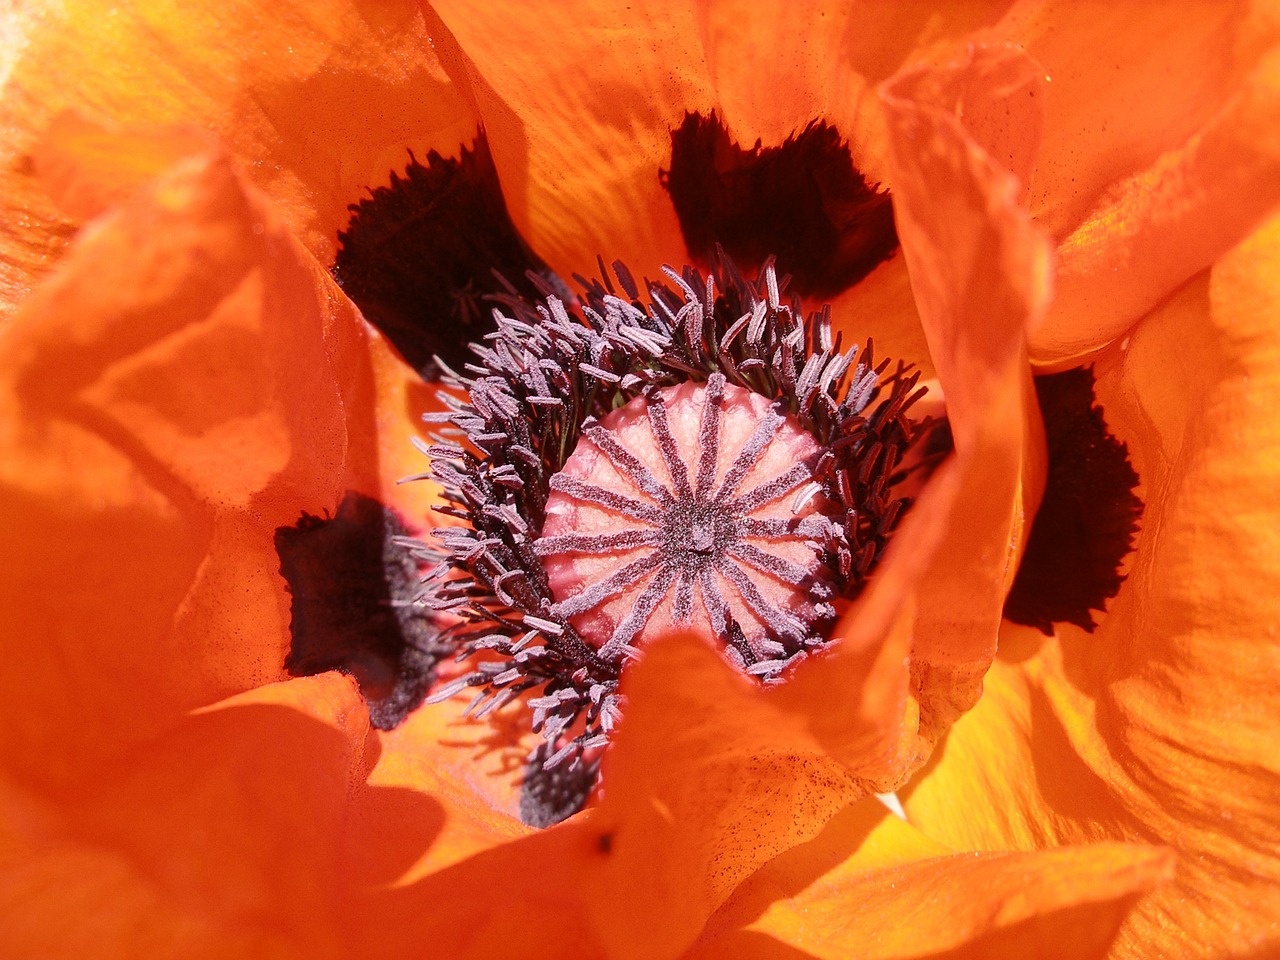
{"type": "Point", "coordinates": [187, 382]}
{"type": "Point", "coordinates": [979, 272]}
{"type": "Point", "coordinates": [1127, 82]}
{"type": "Point", "coordinates": [433, 857]}
{"type": "Point", "coordinates": [579, 100]}
{"type": "Point", "coordinates": [1158, 228]}
{"type": "Point", "coordinates": [319, 98]}
{"type": "Point", "coordinates": [88, 168]}
{"type": "Point", "coordinates": [1065, 903]}
{"type": "Point", "coordinates": [707, 778]}
{"type": "Point", "coordinates": [216, 839]}
{"type": "Point", "coordinates": [1158, 726]}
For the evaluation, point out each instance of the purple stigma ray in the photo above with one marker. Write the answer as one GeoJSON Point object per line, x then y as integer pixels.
{"type": "Point", "coordinates": [606, 498]}
{"type": "Point", "coordinates": [624, 460]}
{"type": "Point", "coordinates": [764, 433]}
{"type": "Point", "coordinates": [670, 452]}
{"type": "Point", "coordinates": [716, 606]}
{"type": "Point", "coordinates": [765, 493]}
{"type": "Point", "coordinates": [683, 608]}
{"type": "Point", "coordinates": [597, 593]}
{"type": "Point", "coordinates": [709, 437]}
{"type": "Point", "coordinates": [579, 543]}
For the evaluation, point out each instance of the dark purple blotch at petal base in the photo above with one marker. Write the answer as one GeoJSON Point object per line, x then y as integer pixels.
{"type": "Point", "coordinates": [549, 796]}
{"type": "Point", "coordinates": [353, 588]}
{"type": "Point", "coordinates": [420, 256]}
{"type": "Point", "coordinates": [803, 201]}
{"type": "Point", "coordinates": [1087, 522]}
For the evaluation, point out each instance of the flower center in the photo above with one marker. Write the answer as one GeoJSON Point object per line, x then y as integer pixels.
{"type": "Point", "coordinates": [690, 507]}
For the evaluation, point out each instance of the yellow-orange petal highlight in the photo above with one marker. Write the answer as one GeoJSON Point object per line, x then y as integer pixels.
{"type": "Point", "coordinates": [1158, 726]}
{"type": "Point", "coordinates": [1062, 904]}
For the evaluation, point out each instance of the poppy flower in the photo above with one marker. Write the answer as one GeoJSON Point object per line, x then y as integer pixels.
{"type": "Point", "coordinates": [183, 379]}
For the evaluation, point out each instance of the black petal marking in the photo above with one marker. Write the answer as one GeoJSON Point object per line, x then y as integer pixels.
{"type": "Point", "coordinates": [1088, 519]}
{"type": "Point", "coordinates": [353, 585]}
{"type": "Point", "coordinates": [804, 202]}
{"type": "Point", "coordinates": [419, 256]}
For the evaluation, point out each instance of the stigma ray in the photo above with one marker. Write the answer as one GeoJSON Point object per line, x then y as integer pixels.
{"type": "Point", "coordinates": [665, 533]}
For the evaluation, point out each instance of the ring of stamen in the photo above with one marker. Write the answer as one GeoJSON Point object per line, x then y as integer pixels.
{"type": "Point", "coordinates": [549, 381]}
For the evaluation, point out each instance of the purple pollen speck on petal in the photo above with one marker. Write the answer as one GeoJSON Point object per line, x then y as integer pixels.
{"type": "Point", "coordinates": [802, 201]}
{"type": "Point", "coordinates": [1089, 515]}
{"type": "Point", "coordinates": [353, 586]}
{"type": "Point", "coordinates": [419, 256]}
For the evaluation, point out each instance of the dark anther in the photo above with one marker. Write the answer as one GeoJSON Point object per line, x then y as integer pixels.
{"type": "Point", "coordinates": [803, 201]}
{"type": "Point", "coordinates": [1089, 516]}
{"type": "Point", "coordinates": [353, 585]}
{"type": "Point", "coordinates": [549, 796]}
{"type": "Point", "coordinates": [419, 256]}
{"type": "Point", "coordinates": [605, 843]}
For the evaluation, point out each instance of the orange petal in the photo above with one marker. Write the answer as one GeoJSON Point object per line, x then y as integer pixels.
{"type": "Point", "coordinates": [1157, 726]}
{"type": "Point", "coordinates": [1158, 228]}
{"type": "Point", "coordinates": [88, 168]}
{"type": "Point", "coordinates": [706, 779]}
{"type": "Point", "coordinates": [1063, 903]}
{"type": "Point", "coordinates": [579, 100]}
{"type": "Point", "coordinates": [515, 900]}
{"type": "Point", "coordinates": [216, 839]}
{"type": "Point", "coordinates": [401, 399]}
{"type": "Point", "coordinates": [807, 74]}
{"type": "Point", "coordinates": [772, 97]}
{"type": "Point", "coordinates": [319, 98]}
{"type": "Point", "coordinates": [1127, 82]}
{"type": "Point", "coordinates": [188, 381]}
{"type": "Point", "coordinates": [979, 272]}
{"type": "Point", "coordinates": [472, 768]}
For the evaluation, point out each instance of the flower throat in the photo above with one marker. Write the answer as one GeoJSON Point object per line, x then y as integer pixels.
{"type": "Point", "coordinates": [697, 457]}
